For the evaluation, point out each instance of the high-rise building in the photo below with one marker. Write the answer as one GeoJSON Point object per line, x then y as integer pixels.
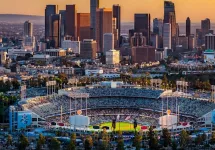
{"type": "Point", "coordinates": [88, 49]}
{"type": "Point", "coordinates": [143, 54]}
{"type": "Point", "coordinates": [117, 15]}
{"type": "Point", "coordinates": [28, 29]}
{"type": "Point", "coordinates": [183, 41]}
{"type": "Point", "coordinates": [167, 40]}
{"type": "Point", "coordinates": [50, 10]}
{"type": "Point", "coordinates": [170, 17]}
{"type": "Point", "coordinates": [158, 26]}
{"type": "Point", "coordinates": [210, 41]}
{"type": "Point", "coordinates": [55, 30]}
{"type": "Point", "coordinates": [71, 21]}
{"type": "Point", "coordinates": [154, 40]}
{"type": "Point", "coordinates": [104, 25]}
{"type": "Point", "coordinates": [108, 42]}
{"type": "Point", "coordinates": [62, 24]}
{"type": "Point", "coordinates": [188, 27]}
{"type": "Point", "coordinates": [205, 25]}
{"type": "Point", "coordinates": [94, 5]}
{"type": "Point", "coordinates": [115, 32]}
{"type": "Point", "coordinates": [83, 26]}
{"type": "Point", "coordinates": [138, 40]}
{"type": "Point", "coordinates": [142, 24]}
{"type": "Point", "coordinates": [191, 42]}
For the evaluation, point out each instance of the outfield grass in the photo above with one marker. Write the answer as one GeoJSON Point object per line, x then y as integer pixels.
{"type": "Point", "coordinates": [123, 126]}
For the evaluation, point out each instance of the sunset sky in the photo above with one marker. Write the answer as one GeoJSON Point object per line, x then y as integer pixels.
{"type": "Point", "coordinates": [195, 9]}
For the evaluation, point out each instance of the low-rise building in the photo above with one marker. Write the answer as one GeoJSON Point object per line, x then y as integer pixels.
{"type": "Point", "coordinates": [55, 52]}
{"type": "Point", "coordinates": [74, 45]}
{"type": "Point", "coordinates": [13, 53]}
{"type": "Point", "coordinates": [112, 57]}
{"type": "Point", "coordinates": [209, 56]}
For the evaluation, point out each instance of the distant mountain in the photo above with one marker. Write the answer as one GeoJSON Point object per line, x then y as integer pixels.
{"type": "Point", "coordinates": [17, 18]}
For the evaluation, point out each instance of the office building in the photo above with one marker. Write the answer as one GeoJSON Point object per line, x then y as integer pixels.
{"type": "Point", "coordinates": [55, 52]}
{"type": "Point", "coordinates": [183, 41]}
{"type": "Point", "coordinates": [199, 37]}
{"type": "Point", "coordinates": [143, 54]}
{"type": "Point", "coordinates": [191, 42]}
{"type": "Point", "coordinates": [167, 40]}
{"type": "Point", "coordinates": [29, 42]}
{"type": "Point", "coordinates": [55, 34]}
{"type": "Point", "coordinates": [94, 5]}
{"type": "Point", "coordinates": [154, 40]}
{"type": "Point", "coordinates": [158, 26]}
{"type": "Point", "coordinates": [138, 40]}
{"type": "Point", "coordinates": [210, 41]}
{"type": "Point", "coordinates": [104, 25]}
{"type": "Point", "coordinates": [117, 15]}
{"type": "Point", "coordinates": [50, 10]}
{"type": "Point", "coordinates": [205, 25]}
{"type": "Point", "coordinates": [74, 45]}
{"type": "Point", "coordinates": [62, 24]}
{"type": "Point", "coordinates": [108, 42]}
{"type": "Point", "coordinates": [28, 29]}
{"type": "Point", "coordinates": [71, 21]}
{"type": "Point", "coordinates": [83, 26]}
{"type": "Point", "coordinates": [112, 57]}
{"type": "Point", "coordinates": [115, 32]}
{"type": "Point", "coordinates": [142, 24]}
{"type": "Point", "coordinates": [188, 27]}
{"type": "Point", "coordinates": [88, 49]}
{"type": "Point", "coordinates": [170, 17]}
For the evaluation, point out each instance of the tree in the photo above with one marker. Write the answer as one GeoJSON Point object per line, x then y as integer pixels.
{"type": "Point", "coordinates": [120, 142]}
{"type": "Point", "coordinates": [184, 138]}
{"type": "Point", "coordinates": [54, 144]}
{"type": "Point", "coordinates": [15, 84]}
{"type": "Point", "coordinates": [137, 141]}
{"type": "Point", "coordinates": [166, 137]}
{"type": "Point", "coordinates": [88, 144]}
{"type": "Point", "coordinates": [41, 142]}
{"type": "Point", "coordinates": [153, 140]}
{"type": "Point", "coordinates": [9, 140]}
{"type": "Point", "coordinates": [105, 140]}
{"type": "Point", "coordinates": [72, 143]}
{"type": "Point", "coordinates": [212, 140]}
{"type": "Point", "coordinates": [174, 145]}
{"type": "Point", "coordinates": [198, 140]}
{"type": "Point", "coordinates": [23, 142]}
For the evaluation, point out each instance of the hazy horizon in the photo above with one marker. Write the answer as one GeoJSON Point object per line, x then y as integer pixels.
{"type": "Point", "coordinates": [197, 10]}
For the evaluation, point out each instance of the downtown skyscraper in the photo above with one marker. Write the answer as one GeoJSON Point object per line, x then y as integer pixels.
{"type": "Point", "coordinates": [170, 17]}
{"type": "Point", "coordinates": [28, 29]}
{"type": "Point", "coordinates": [188, 27]}
{"type": "Point", "coordinates": [117, 15]}
{"type": "Point", "coordinates": [94, 5]}
{"type": "Point", "coordinates": [50, 10]}
{"type": "Point", "coordinates": [104, 24]}
{"type": "Point", "coordinates": [142, 23]}
{"type": "Point", "coordinates": [71, 21]}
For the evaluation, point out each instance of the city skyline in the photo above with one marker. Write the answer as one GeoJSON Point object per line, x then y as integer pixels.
{"type": "Point", "coordinates": [154, 7]}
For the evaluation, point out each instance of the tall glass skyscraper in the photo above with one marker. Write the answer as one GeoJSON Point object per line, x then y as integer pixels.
{"type": "Point", "coordinates": [170, 17]}
{"type": "Point", "coordinates": [117, 15]}
{"type": "Point", "coordinates": [28, 29]}
{"type": "Point", "coordinates": [142, 23]}
{"type": "Point", "coordinates": [50, 10]}
{"type": "Point", "coordinates": [94, 5]}
{"type": "Point", "coordinates": [188, 27]}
